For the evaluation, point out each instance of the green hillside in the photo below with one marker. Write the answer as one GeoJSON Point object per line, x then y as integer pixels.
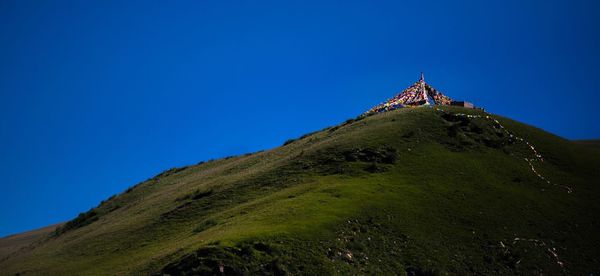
{"type": "Point", "coordinates": [590, 143]}
{"type": "Point", "coordinates": [13, 243]}
{"type": "Point", "coordinates": [414, 191]}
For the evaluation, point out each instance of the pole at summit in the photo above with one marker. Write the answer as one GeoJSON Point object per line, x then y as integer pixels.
{"type": "Point", "coordinates": [423, 90]}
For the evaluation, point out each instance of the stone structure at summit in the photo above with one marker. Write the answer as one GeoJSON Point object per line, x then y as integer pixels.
{"type": "Point", "coordinates": [418, 94]}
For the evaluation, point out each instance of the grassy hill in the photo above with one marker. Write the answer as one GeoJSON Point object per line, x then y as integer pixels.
{"type": "Point", "coordinates": [12, 243]}
{"type": "Point", "coordinates": [590, 143]}
{"type": "Point", "coordinates": [412, 191]}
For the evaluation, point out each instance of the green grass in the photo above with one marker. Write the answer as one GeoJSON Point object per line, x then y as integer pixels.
{"type": "Point", "coordinates": [404, 192]}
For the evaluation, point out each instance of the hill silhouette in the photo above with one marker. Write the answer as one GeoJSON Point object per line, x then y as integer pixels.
{"type": "Point", "coordinates": [415, 191]}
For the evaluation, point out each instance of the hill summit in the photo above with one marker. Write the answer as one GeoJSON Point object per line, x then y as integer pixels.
{"type": "Point", "coordinates": [418, 94]}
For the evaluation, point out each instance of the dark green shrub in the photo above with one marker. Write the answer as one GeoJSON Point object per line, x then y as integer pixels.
{"type": "Point", "coordinates": [170, 171]}
{"type": "Point", "coordinates": [200, 194]}
{"type": "Point", "coordinates": [349, 121]}
{"type": "Point", "coordinates": [205, 225]}
{"type": "Point", "coordinates": [289, 141]}
{"type": "Point", "coordinates": [385, 155]}
{"type": "Point", "coordinates": [81, 220]}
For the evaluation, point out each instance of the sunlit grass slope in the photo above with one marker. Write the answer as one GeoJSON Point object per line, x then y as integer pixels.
{"type": "Point", "coordinates": [412, 191]}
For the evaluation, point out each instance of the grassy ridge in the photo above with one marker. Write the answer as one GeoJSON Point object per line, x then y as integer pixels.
{"type": "Point", "coordinates": [408, 191]}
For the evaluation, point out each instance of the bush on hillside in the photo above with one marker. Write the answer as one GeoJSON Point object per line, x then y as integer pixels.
{"type": "Point", "coordinates": [205, 225]}
{"type": "Point", "coordinates": [289, 141]}
{"type": "Point", "coordinates": [81, 220]}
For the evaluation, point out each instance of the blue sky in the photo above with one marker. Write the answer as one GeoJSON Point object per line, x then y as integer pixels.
{"type": "Point", "coordinates": [96, 96]}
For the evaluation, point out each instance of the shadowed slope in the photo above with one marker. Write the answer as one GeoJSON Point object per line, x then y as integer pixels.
{"type": "Point", "coordinates": [408, 191]}
{"type": "Point", "coordinates": [589, 143]}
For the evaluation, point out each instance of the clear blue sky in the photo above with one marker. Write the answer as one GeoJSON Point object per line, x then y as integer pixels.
{"type": "Point", "coordinates": [96, 96]}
